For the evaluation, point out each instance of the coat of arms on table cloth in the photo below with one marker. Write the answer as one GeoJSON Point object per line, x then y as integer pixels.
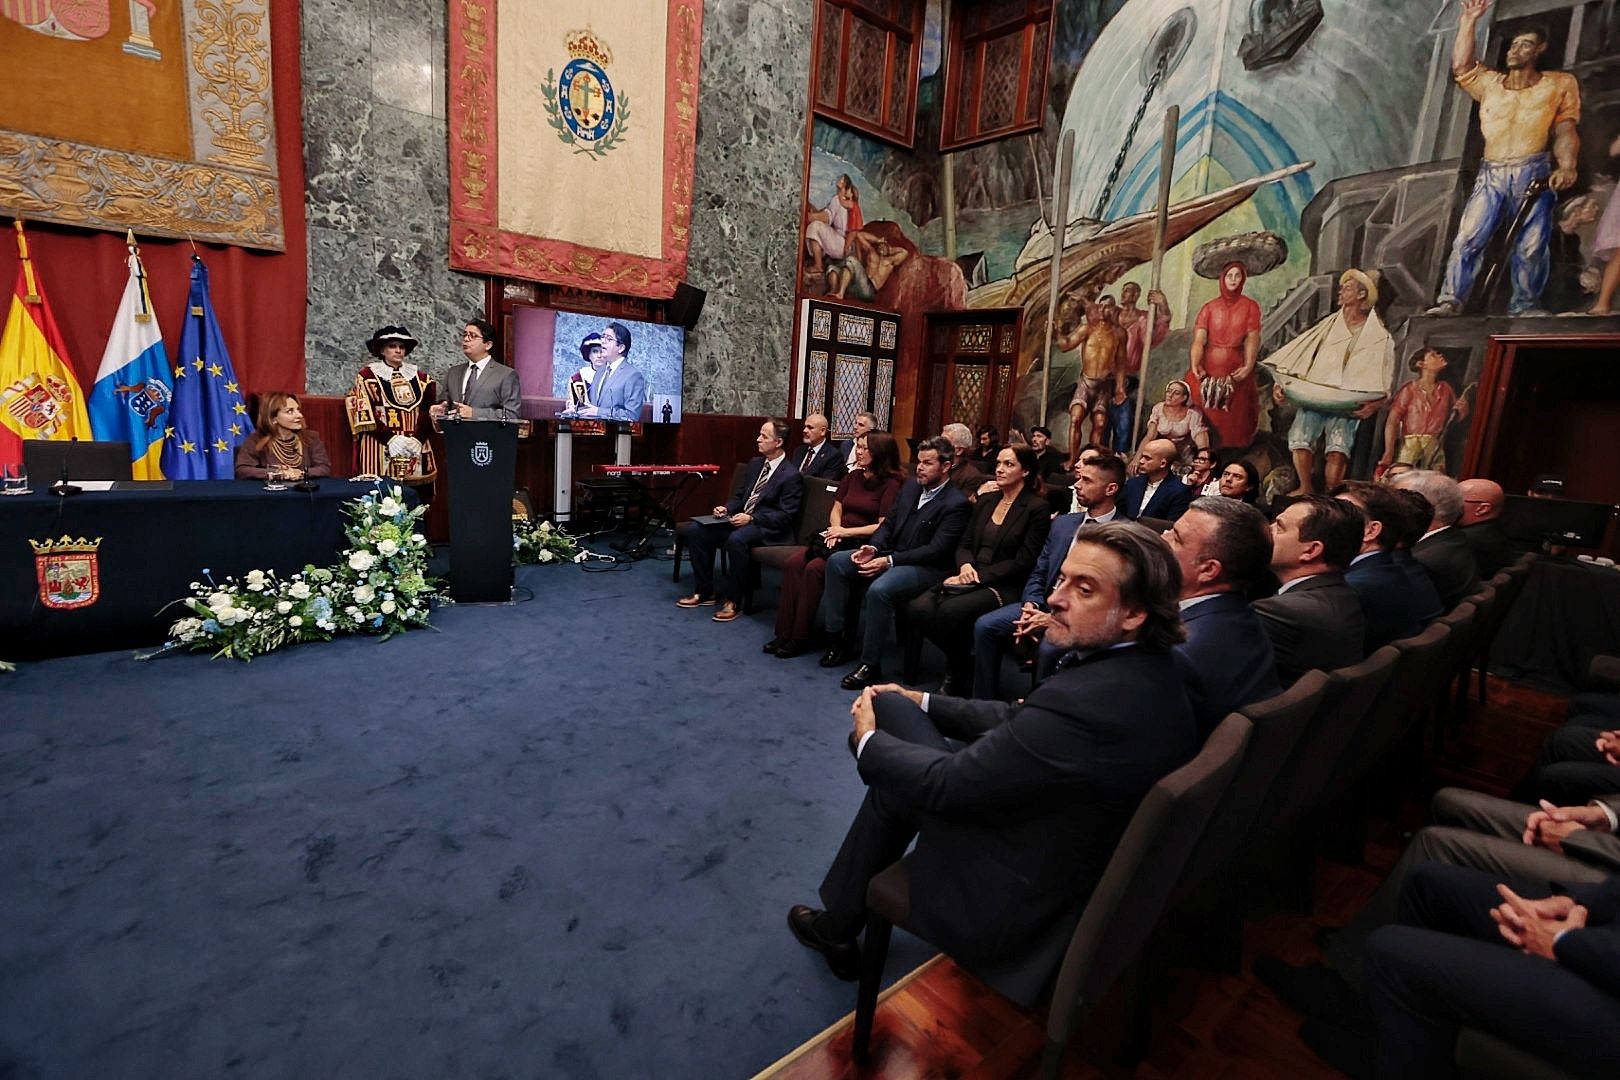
{"type": "Point", "coordinates": [68, 572]}
{"type": "Point", "coordinates": [587, 113]}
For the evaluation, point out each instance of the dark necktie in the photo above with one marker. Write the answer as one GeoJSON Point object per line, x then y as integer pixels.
{"type": "Point", "coordinates": [468, 383]}
{"type": "Point", "coordinates": [599, 385]}
{"type": "Point", "coordinates": [759, 489]}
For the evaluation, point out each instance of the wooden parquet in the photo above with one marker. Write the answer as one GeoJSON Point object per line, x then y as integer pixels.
{"type": "Point", "coordinates": [942, 1023]}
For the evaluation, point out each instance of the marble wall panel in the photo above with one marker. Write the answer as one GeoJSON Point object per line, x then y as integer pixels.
{"type": "Point", "coordinates": [377, 193]}
{"type": "Point", "coordinates": [376, 186]}
{"type": "Point", "coordinates": [750, 152]}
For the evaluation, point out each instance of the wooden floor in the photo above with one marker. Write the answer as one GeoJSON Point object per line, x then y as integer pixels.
{"type": "Point", "coordinates": [941, 1022]}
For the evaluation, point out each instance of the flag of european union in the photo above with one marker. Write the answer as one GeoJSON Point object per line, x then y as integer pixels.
{"type": "Point", "coordinates": [209, 417]}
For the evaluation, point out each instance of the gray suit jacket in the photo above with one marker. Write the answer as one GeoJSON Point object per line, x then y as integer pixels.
{"type": "Point", "coordinates": [495, 396]}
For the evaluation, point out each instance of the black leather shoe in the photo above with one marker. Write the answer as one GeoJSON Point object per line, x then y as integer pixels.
{"type": "Point", "coordinates": [837, 656]}
{"type": "Point", "coordinates": [789, 649]}
{"type": "Point", "coordinates": [843, 957]}
{"type": "Point", "coordinates": [1313, 990]}
{"type": "Point", "coordinates": [773, 646]}
{"type": "Point", "coordinates": [862, 677]}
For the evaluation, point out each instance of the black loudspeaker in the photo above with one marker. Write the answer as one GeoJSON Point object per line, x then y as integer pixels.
{"type": "Point", "coordinates": [686, 305]}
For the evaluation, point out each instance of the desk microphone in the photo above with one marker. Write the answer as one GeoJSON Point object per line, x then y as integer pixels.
{"type": "Point", "coordinates": [62, 487]}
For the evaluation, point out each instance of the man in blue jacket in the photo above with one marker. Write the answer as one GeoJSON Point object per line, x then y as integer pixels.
{"type": "Point", "coordinates": [912, 551]}
{"type": "Point", "coordinates": [1391, 607]}
{"type": "Point", "coordinates": [1155, 491]}
{"type": "Point", "coordinates": [1223, 547]}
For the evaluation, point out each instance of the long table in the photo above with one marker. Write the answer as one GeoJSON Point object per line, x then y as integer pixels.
{"type": "Point", "coordinates": [1568, 613]}
{"type": "Point", "coordinates": [153, 544]}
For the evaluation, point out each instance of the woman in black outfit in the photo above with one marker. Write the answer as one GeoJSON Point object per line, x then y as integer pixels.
{"type": "Point", "coordinates": [997, 552]}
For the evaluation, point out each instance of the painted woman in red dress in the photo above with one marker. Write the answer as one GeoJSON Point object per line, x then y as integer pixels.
{"type": "Point", "coordinates": [1225, 347]}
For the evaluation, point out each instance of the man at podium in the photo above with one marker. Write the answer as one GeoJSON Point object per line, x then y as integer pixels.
{"type": "Point", "coordinates": [481, 388]}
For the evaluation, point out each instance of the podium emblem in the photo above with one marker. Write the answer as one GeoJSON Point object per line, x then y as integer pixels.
{"type": "Point", "coordinates": [481, 454]}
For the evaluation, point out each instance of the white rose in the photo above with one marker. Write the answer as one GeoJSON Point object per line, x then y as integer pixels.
{"type": "Point", "coordinates": [545, 527]}
{"type": "Point", "coordinates": [295, 621]}
{"type": "Point", "coordinates": [361, 560]}
{"type": "Point", "coordinates": [299, 591]}
{"type": "Point", "coordinates": [364, 593]}
{"type": "Point", "coordinates": [387, 549]}
{"type": "Point", "coordinates": [283, 606]}
{"type": "Point", "coordinates": [220, 601]}
{"type": "Point", "coordinates": [391, 506]}
{"type": "Point", "coordinates": [388, 607]}
{"type": "Point", "coordinates": [546, 556]}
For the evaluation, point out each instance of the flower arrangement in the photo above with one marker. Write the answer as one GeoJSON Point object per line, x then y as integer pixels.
{"type": "Point", "coordinates": [541, 542]}
{"type": "Point", "coordinates": [379, 586]}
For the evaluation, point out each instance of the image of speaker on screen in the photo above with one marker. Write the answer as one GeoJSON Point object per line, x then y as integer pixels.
{"type": "Point", "coordinates": [576, 365]}
{"type": "Point", "coordinates": [619, 389]}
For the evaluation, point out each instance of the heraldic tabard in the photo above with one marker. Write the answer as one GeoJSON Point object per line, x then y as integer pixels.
{"type": "Point", "coordinates": [572, 132]}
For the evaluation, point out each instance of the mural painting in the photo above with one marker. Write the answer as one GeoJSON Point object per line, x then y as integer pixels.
{"type": "Point", "coordinates": [1362, 194]}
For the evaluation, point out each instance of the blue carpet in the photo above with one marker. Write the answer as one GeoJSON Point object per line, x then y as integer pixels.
{"type": "Point", "coordinates": [559, 839]}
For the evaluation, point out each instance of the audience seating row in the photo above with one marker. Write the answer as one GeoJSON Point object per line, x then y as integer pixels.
{"type": "Point", "coordinates": [1266, 770]}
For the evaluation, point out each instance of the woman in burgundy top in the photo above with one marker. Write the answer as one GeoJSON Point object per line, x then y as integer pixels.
{"type": "Point", "coordinates": [863, 501]}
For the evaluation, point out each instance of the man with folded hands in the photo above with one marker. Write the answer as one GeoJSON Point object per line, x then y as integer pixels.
{"type": "Point", "coordinates": [1016, 809]}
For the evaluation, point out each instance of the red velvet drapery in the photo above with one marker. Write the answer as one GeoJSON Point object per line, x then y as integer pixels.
{"type": "Point", "coordinates": [259, 296]}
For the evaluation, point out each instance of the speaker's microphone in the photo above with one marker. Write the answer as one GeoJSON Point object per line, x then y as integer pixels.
{"type": "Point", "coordinates": [63, 488]}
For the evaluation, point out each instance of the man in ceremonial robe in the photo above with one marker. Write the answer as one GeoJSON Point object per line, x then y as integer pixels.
{"type": "Point", "coordinates": [388, 408]}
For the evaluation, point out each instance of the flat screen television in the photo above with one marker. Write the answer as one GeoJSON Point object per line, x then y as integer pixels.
{"type": "Point", "coordinates": [1558, 521]}
{"type": "Point", "coordinates": [559, 380]}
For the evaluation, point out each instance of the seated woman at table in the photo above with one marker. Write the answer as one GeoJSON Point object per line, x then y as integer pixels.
{"type": "Point", "coordinates": [864, 499]}
{"type": "Point", "coordinates": [281, 443]}
{"type": "Point", "coordinates": [1003, 539]}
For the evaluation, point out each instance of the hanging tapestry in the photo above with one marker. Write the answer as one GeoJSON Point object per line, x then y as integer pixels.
{"type": "Point", "coordinates": [571, 141]}
{"type": "Point", "coordinates": [134, 114]}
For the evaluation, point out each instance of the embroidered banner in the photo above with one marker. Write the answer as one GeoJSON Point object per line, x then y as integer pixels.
{"type": "Point", "coordinates": [166, 124]}
{"type": "Point", "coordinates": [571, 141]}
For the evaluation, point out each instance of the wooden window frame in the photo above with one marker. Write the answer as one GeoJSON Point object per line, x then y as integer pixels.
{"type": "Point", "coordinates": [898, 37]}
{"type": "Point", "coordinates": [965, 52]}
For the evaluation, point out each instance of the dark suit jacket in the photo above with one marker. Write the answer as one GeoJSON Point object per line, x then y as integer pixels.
{"type": "Point", "coordinates": [1169, 502]}
{"type": "Point", "coordinates": [777, 513]}
{"type": "Point", "coordinates": [1424, 599]}
{"type": "Point", "coordinates": [1388, 605]}
{"type": "Point", "coordinates": [1592, 952]}
{"type": "Point", "coordinates": [1450, 562]}
{"type": "Point", "coordinates": [1493, 551]}
{"type": "Point", "coordinates": [1018, 825]}
{"type": "Point", "coordinates": [828, 463]}
{"type": "Point", "coordinates": [494, 396]}
{"type": "Point", "coordinates": [1017, 547]}
{"type": "Point", "coordinates": [1050, 466]}
{"type": "Point", "coordinates": [925, 537]}
{"type": "Point", "coordinates": [967, 476]}
{"type": "Point", "coordinates": [1043, 578]}
{"type": "Point", "coordinates": [1316, 624]}
{"type": "Point", "coordinates": [1227, 659]}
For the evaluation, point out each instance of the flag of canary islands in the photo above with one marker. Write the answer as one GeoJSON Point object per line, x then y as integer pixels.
{"type": "Point", "coordinates": [133, 392]}
{"type": "Point", "coordinates": [209, 416]}
{"type": "Point", "coordinates": [39, 397]}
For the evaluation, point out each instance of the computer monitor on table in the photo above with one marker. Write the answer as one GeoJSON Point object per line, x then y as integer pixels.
{"type": "Point", "coordinates": [44, 458]}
